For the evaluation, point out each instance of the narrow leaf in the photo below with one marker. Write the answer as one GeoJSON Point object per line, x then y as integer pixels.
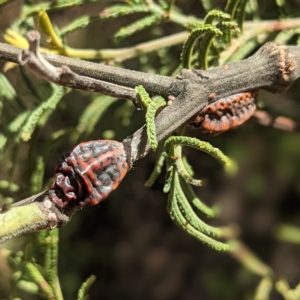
{"type": "Point", "coordinates": [37, 176]}
{"type": "Point", "coordinates": [38, 278]}
{"type": "Point", "coordinates": [35, 115]}
{"type": "Point", "coordinates": [160, 160]}
{"type": "Point", "coordinates": [139, 25]}
{"type": "Point", "coordinates": [122, 10]}
{"type": "Point", "coordinates": [6, 89]}
{"type": "Point", "coordinates": [91, 116]}
{"type": "Point", "coordinates": [46, 26]}
{"type": "Point", "coordinates": [187, 51]}
{"type": "Point", "coordinates": [83, 291]}
{"type": "Point", "coordinates": [16, 124]}
{"type": "Point", "coordinates": [79, 23]}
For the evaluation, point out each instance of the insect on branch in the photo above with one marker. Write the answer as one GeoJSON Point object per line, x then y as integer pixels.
{"type": "Point", "coordinates": [273, 68]}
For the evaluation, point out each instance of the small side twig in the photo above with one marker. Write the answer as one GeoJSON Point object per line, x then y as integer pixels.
{"type": "Point", "coordinates": [283, 123]}
{"type": "Point", "coordinates": [38, 65]}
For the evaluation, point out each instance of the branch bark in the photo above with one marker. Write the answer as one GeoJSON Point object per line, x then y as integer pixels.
{"type": "Point", "coordinates": [273, 68]}
{"type": "Point", "coordinates": [32, 214]}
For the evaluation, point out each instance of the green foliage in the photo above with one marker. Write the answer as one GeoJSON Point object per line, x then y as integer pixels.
{"type": "Point", "coordinates": [264, 289]}
{"type": "Point", "coordinates": [152, 107]}
{"type": "Point", "coordinates": [115, 11]}
{"type": "Point", "coordinates": [2, 2]}
{"type": "Point", "coordinates": [7, 91]}
{"type": "Point", "coordinates": [36, 276]}
{"type": "Point", "coordinates": [29, 10]}
{"type": "Point", "coordinates": [166, 4]}
{"type": "Point", "coordinates": [236, 9]}
{"type": "Point", "coordinates": [35, 270]}
{"type": "Point", "coordinates": [183, 215]}
{"type": "Point", "coordinates": [37, 177]}
{"type": "Point", "coordinates": [16, 124]}
{"type": "Point", "coordinates": [10, 186]}
{"type": "Point", "coordinates": [181, 197]}
{"type": "Point", "coordinates": [210, 32]}
{"type": "Point", "coordinates": [203, 36]}
{"type": "Point", "coordinates": [172, 143]}
{"type": "Point", "coordinates": [215, 15]}
{"type": "Point", "coordinates": [35, 115]}
{"type": "Point", "coordinates": [30, 276]}
{"type": "Point", "coordinates": [46, 27]}
{"type": "Point", "coordinates": [82, 293]}
{"type": "Point", "coordinates": [286, 291]}
{"type": "Point", "coordinates": [143, 96]}
{"type": "Point", "coordinates": [3, 141]}
{"type": "Point", "coordinates": [207, 4]}
{"type": "Point", "coordinates": [90, 116]}
{"type": "Point", "coordinates": [78, 23]}
{"type": "Point", "coordinates": [39, 119]}
{"type": "Point", "coordinates": [159, 163]}
{"type": "Point", "coordinates": [139, 25]}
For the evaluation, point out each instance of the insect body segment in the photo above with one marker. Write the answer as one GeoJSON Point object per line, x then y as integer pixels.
{"type": "Point", "coordinates": [224, 114]}
{"type": "Point", "coordinates": [89, 173]}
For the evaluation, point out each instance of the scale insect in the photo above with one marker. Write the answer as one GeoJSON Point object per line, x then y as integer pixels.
{"type": "Point", "coordinates": [226, 113]}
{"type": "Point", "coordinates": [88, 173]}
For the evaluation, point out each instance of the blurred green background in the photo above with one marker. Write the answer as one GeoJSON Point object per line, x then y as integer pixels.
{"type": "Point", "coordinates": [129, 241]}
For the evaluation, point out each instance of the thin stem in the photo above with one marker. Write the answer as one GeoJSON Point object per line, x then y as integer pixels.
{"type": "Point", "coordinates": [58, 292]}
{"type": "Point", "coordinates": [122, 54]}
{"type": "Point", "coordinates": [255, 28]}
{"type": "Point", "coordinates": [248, 259]}
{"type": "Point", "coordinates": [155, 84]}
{"type": "Point", "coordinates": [279, 122]}
{"type": "Point", "coordinates": [117, 55]}
{"type": "Point", "coordinates": [38, 65]}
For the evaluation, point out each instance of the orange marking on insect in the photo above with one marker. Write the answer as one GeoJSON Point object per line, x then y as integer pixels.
{"type": "Point", "coordinates": [89, 173]}
{"type": "Point", "coordinates": [211, 96]}
{"type": "Point", "coordinates": [237, 98]}
{"type": "Point", "coordinates": [234, 122]}
{"type": "Point", "coordinates": [225, 114]}
{"type": "Point", "coordinates": [211, 109]}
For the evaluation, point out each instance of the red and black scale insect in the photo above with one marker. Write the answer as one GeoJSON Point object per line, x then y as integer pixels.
{"type": "Point", "coordinates": [226, 113]}
{"type": "Point", "coordinates": [89, 173]}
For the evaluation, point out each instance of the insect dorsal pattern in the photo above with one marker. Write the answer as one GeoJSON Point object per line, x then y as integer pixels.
{"type": "Point", "coordinates": [88, 173]}
{"type": "Point", "coordinates": [226, 113]}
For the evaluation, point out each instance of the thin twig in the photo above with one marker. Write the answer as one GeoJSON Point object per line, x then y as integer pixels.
{"type": "Point", "coordinates": [265, 119]}
{"type": "Point", "coordinates": [38, 65]}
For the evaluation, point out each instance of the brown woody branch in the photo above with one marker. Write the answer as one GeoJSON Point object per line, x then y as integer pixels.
{"type": "Point", "coordinates": [273, 67]}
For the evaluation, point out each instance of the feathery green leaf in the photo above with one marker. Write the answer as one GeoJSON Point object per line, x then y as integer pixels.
{"type": "Point", "coordinates": [83, 291]}
{"type": "Point", "coordinates": [50, 104]}
{"type": "Point", "coordinates": [209, 32]}
{"type": "Point", "coordinates": [134, 27]}
{"type": "Point", "coordinates": [91, 116]}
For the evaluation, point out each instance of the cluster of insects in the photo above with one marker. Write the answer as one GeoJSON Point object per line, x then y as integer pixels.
{"type": "Point", "coordinates": [88, 173]}
{"type": "Point", "coordinates": [92, 170]}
